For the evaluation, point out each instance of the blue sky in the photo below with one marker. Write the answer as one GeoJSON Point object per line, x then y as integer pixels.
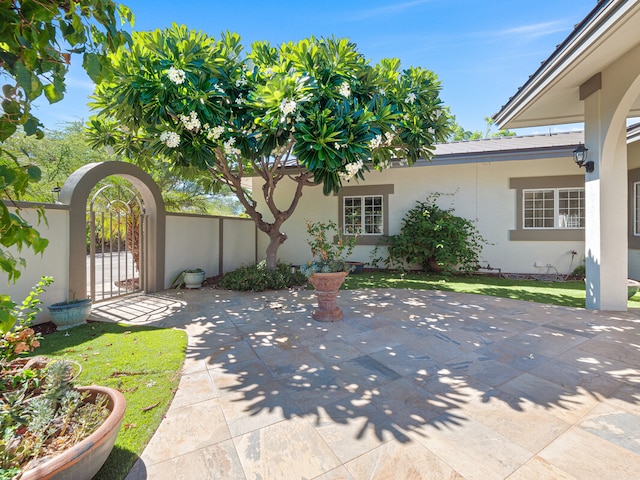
{"type": "Point", "coordinates": [481, 51]}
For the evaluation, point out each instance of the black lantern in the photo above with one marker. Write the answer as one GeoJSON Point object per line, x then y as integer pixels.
{"type": "Point", "coordinates": [580, 155]}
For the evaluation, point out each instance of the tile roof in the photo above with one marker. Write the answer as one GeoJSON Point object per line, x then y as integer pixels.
{"type": "Point", "coordinates": [504, 144]}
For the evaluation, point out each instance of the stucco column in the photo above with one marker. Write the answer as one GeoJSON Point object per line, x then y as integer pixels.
{"type": "Point", "coordinates": [606, 240]}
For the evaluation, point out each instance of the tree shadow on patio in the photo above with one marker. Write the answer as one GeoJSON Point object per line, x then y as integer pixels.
{"type": "Point", "coordinates": [403, 363]}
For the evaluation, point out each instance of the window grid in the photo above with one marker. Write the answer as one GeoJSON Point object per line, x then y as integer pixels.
{"type": "Point", "coordinates": [560, 208]}
{"type": "Point", "coordinates": [363, 215]}
{"type": "Point", "coordinates": [636, 209]}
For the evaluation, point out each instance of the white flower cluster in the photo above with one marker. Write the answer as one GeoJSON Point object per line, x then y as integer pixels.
{"type": "Point", "coordinates": [241, 100]}
{"type": "Point", "coordinates": [215, 132]}
{"type": "Point", "coordinates": [411, 98]}
{"type": "Point", "coordinates": [241, 82]}
{"type": "Point", "coordinates": [170, 139]}
{"type": "Point", "coordinates": [176, 75]}
{"type": "Point", "coordinates": [287, 106]}
{"type": "Point", "coordinates": [382, 92]}
{"type": "Point", "coordinates": [345, 90]}
{"type": "Point", "coordinates": [380, 141]}
{"type": "Point", "coordinates": [351, 170]}
{"type": "Point", "coordinates": [403, 162]}
{"type": "Point", "coordinates": [191, 122]}
{"type": "Point", "coordinates": [218, 89]}
{"type": "Point", "coordinates": [229, 147]}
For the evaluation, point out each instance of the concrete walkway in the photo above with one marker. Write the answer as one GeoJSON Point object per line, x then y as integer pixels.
{"type": "Point", "coordinates": [410, 385]}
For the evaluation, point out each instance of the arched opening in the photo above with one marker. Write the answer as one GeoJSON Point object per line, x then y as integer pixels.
{"type": "Point", "coordinates": [75, 193]}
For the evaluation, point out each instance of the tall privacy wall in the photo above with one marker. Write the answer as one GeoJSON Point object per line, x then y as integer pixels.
{"type": "Point", "coordinates": [215, 244]}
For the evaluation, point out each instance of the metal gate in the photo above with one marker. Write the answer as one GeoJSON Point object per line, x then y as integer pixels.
{"type": "Point", "coordinates": [116, 261]}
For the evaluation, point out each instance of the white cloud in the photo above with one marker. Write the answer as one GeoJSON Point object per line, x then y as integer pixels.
{"type": "Point", "coordinates": [530, 32]}
{"type": "Point", "coordinates": [390, 9]}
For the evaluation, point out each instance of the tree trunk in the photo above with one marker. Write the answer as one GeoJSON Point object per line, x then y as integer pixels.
{"type": "Point", "coordinates": [275, 240]}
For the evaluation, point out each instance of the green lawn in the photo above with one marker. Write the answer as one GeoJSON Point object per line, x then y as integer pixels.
{"type": "Point", "coordinates": [568, 293]}
{"type": "Point", "coordinates": [142, 362]}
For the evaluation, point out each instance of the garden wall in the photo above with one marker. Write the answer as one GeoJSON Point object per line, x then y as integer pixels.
{"type": "Point", "coordinates": [215, 244]}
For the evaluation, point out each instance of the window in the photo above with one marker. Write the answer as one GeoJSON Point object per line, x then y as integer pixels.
{"type": "Point", "coordinates": [364, 209]}
{"type": "Point", "coordinates": [363, 215]}
{"type": "Point", "coordinates": [561, 208]}
{"type": "Point", "coordinates": [636, 209]}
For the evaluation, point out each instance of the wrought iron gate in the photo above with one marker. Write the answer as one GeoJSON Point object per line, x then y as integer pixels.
{"type": "Point", "coordinates": [116, 262]}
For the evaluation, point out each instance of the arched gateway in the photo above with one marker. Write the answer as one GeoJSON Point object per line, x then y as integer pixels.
{"type": "Point", "coordinates": [75, 193]}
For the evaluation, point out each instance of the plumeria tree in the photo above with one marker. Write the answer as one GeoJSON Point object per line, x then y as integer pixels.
{"type": "Point", "coordinates": [315, 112]}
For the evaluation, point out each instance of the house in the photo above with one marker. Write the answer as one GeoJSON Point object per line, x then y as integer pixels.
{"type": "Point", "coordinates": [594, 77]}
{"type": "Point", "coordinates": [524, 193]}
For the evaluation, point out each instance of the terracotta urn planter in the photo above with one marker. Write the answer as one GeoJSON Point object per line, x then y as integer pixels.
{"type": "Point", "coordinates": [327, 286]}
{"type": "Point", "coordinates": [84, 459]}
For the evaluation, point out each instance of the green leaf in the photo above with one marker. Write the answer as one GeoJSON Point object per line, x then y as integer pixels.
{"type": "Point", "coordinates": [53, 93]}
{"type": "Point", "coordinates": [7, 128]}
{"type": "Point", "coordinates": [91, 64]}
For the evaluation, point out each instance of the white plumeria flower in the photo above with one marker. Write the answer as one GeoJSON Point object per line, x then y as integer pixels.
{"type": "Point", "coordinates": [375, 142]}
{"type": "Point", "coordinates": [215, 133]}
{"type": "Point", "coordinates": [287, 106]}
{"type": "Point", "coordinates": [411, 98]}
{"type": "Point", "coordinates": [403, 162]}
{"type": "Point", "coordinates": [191, 122]}
{"type": "Point", "coordinates": [176, 75]}
{"type": "Point", "coordinates": [229, 147]}
{"type": "Point", "coordinates": [345, 90]}
{"type": "Point", "coordinates": [337, 146]}
{"type": "Point", "coordinates": [170, 139]}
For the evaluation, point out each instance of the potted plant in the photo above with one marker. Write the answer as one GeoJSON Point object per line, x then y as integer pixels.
{"type": "Point", "coordinates": [50, 428]}
{"type": "Point", "coordinates": [190, 278]}
{"type": "Point", "coordinates": [70, 313]}
{"type": "Point", "coordinates": [330, 248]}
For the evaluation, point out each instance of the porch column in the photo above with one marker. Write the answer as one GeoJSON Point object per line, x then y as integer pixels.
{"type": "Point", "coordinates": [606, 241]}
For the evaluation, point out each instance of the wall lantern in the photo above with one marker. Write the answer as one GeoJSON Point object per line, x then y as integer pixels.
{"type": "Point", "coordinates": [580, 155]}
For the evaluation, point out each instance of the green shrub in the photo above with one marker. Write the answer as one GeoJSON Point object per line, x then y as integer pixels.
{"type": "Point", "coordinates": [435, 239]}
{"type": "Point", "coordinates": [256, 278]}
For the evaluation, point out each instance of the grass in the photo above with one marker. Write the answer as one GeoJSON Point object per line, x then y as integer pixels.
{"type": "Point", "coordinates": [568, 293]}
{"type": "Point", "coordinates": [142, 362]}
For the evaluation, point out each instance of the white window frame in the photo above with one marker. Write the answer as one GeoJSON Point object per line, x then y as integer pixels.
{"type": "Point", "coordinates": [363, 215]}
{"type": "Point", "coordinates": [636, 209]}
{"type": "Point", "coordinates": [560, 222]}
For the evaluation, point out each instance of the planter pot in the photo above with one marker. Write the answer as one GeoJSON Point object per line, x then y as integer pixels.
{"type": "Point", "coordinates": [193, 279]}
{"type": "Point", "coordinates": [355, 267]}
{"type": "Point", "coordinates": [84, 459]}
{"type": "Point", "coordinates": [70, 314]}
{"type": "Point", "coordinates": [327, 286]}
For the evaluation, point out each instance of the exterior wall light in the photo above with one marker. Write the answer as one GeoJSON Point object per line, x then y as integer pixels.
{"type": "Point", "coordinates": [580, 155]}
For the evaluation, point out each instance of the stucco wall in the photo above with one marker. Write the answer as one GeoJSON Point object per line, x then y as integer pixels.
{"type": "Point", "coordinates": [193, 241]}
{"type": "Point", "coordinates": [54, 262]}
{"type": "Point", "coordinates": [476, 191]}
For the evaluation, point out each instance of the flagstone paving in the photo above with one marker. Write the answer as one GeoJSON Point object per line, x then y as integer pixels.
{"type": "Point", "coordinates": [409, 385]}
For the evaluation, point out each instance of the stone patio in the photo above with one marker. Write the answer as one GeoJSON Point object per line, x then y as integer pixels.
{"type": "Point", "coordinates": [409, 385]}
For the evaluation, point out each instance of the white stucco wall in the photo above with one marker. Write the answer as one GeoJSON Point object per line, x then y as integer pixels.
{"type": "Point", "coordinates": [476, 191]}
{"type": "Point", "coordinates": [239, 243]}
{"type": "Point", "coordinates": [54, 262]}
{"type": "Point", "coordinates": [191, 242]}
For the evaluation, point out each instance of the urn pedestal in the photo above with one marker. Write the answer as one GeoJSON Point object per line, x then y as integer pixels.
{"type": "Point", "coordinates": [327, 286]}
